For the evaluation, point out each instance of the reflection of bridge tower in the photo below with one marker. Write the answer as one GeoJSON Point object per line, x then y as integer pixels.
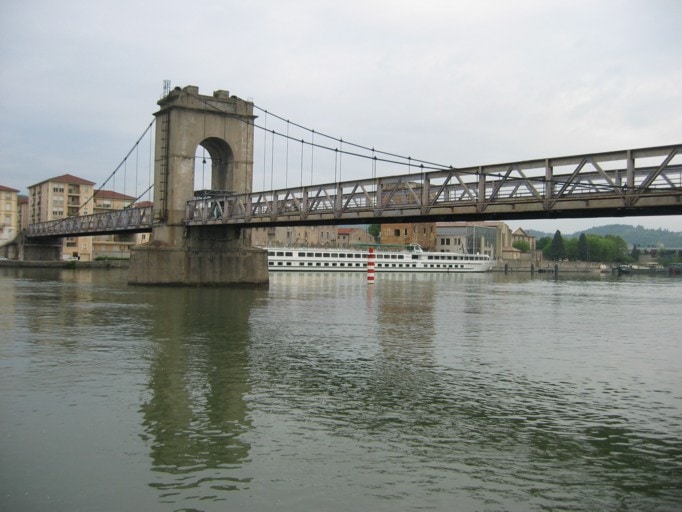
{"type": "Point", "coordinates": [223, 126]}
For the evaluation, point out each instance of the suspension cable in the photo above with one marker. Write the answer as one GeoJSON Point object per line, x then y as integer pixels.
{"type": "Point", "coordinates": [388, 156]}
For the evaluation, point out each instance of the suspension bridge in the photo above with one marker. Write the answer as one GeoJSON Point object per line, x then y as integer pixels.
{"type": "Point", "coordinates": [192, 216]}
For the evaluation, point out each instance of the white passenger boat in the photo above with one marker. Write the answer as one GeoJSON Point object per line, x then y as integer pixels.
{"type": "Point", "coordinates": [410, 259]}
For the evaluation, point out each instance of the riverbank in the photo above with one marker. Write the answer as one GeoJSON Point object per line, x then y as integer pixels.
{"type": "Point", "coordinates": [552, 267]}
{"type": "Point", "coordinates": [76, 264]}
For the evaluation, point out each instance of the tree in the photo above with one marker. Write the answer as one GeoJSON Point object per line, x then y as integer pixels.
{"type": "Point", "coordinates": [375, 231]}
{"type": "Point", "coordinates": [542, 243]}
{"type": "Point", "coordinates": [582, 247]}
{"type": "Point", "coordinates": [556, 250]}
{"type": "Point", "coordinates": [521, 245]}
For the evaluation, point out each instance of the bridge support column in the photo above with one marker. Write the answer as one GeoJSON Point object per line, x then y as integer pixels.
{"type": "Point", "coordinates": [199, 255]}
{"type": "Point", "coordinates": [39, 249]}
{"type": "Point", "coordinates": [215, 256]}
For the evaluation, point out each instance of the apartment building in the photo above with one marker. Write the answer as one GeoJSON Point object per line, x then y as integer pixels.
{"type": "Point", "coordinates": [116, 245]}
{"type": "Point", "coordinates": [60, 197]}
{"type": "Point", "coordinates": [9, 214]}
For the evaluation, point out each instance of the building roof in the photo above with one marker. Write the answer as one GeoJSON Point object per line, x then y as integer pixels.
{"type": "Point", "coordinates": [3, 188]}
{"type": "Point", "coordinates": [66, 178]}
{"type": "Point", "coordinates": [344, 231]}
{"type": "Point", "coordinates": [520, 232]}
{"type": "Point", "coordinates": [143, 204]}
{"type": "Point", "coordinates": [110, 194]}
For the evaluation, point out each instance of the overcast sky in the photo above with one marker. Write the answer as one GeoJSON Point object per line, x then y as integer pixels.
{"type": "Point", "coordinates": [456, 82]}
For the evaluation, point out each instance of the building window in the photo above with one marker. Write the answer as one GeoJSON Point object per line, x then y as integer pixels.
{"type": "Point", "coordinates": [396, 232]}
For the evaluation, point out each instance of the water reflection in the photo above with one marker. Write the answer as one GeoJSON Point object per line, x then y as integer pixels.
{"type": "Point", "coordinates": [472, 392]}
{"type": "Point", "coordinates": [196, 416]}
{"type": "Point", "coordinates": [448, 394]}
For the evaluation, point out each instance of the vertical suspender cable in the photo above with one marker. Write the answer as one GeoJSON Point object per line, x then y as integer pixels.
{"type": "Point", "coordinates": [286, 166]}
{"type": "Point", "coordinates": [265, 145]}
{"type": "Point", "coordinates": [312, 155]}
{"type": "Point", "coordinates": [336, 158]}
{"type": "Point", "coordinates": [149, 170]}
{"type": "Point", "coordinates": [272, 160]}
{"type": "Point", "coordinates": [302, 145]}
{"type": "Point", "coordinates": [340, 157]}
{"type": "Point", "coordinates": [137, 162]}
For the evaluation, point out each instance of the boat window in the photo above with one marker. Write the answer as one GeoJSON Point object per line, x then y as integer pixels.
{"type": "Point", "coordinates": [318, 254]}
{"type": "Point", "coordinates": [280, 253]}
{"type": "Point", "coordinates": [326, 255]}
{"type": "Point", "coordinates": [415, 257]}
{"type": "Point", "coordinates": [271, 253]}
{"type": "Point", "coordinates": [342, 255]}
{"type": "Point", "coordinates": [301, 255]}
{"type": "Point", "coordinates": [288, 254]}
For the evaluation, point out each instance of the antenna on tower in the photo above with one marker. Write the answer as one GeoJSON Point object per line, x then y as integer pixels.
{"type": "Point", "coordinates": [166, 88]}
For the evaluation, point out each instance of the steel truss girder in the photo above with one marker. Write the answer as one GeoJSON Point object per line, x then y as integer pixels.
{"type": "Point", "coordinates": [116, 221]}
{"type": "Point", "coordinates": [619, 179]}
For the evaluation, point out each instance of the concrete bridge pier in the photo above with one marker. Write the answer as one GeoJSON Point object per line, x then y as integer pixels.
{"type": "Point", "coordinates": [38, 249]}
{"type": "Point", "coordinates": [213, 256]}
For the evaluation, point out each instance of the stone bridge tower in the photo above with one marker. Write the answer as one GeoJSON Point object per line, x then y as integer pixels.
{"type": "Point", "coordinates": [223, 126]}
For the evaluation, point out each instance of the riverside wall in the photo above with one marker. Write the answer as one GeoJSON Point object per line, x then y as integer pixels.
{"type": "Point", "coordinates": [550, 266]}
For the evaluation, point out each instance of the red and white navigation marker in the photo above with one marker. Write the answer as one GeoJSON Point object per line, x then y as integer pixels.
{"type": "Point", "coordinates": [370, 266]}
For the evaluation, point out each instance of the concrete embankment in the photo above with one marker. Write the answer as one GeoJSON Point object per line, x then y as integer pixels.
{"type": "Point", "coordinates": [550, 267]}
{"type": "Point", "coordinates": [66, 264]}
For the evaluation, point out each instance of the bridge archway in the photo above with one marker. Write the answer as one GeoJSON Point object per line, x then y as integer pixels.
{"type": "Point", "coordinates": [214, 164]}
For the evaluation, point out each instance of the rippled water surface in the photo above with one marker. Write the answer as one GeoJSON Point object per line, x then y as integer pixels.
{"type": "Point", "coordinates": [455, 392]}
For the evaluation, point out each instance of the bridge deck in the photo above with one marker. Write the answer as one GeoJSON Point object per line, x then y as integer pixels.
{"type": "Point", "coordinates": [644, 181]}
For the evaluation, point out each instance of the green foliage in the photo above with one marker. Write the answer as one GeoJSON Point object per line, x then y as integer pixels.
{"type": "Point", "coordinates": [604, 249]}
{"type": "Point", "coordinates": [543, 242]}
{"type": "Point", "coordinates": [669, 257]}
{"type": "Point", "coordinates": [521, 245]}
{"type": "Point", "coordinates": [582, 248]}
{"type": "Point", "coordinates": [633, 235]}
{"type": "Point", "coordinates": [555, 250]}
{"type": "Point", "coordinates": [374, 230]}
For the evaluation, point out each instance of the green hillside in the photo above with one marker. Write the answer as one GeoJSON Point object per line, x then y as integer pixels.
{"type": "Point", "coordinates": [633, 235]}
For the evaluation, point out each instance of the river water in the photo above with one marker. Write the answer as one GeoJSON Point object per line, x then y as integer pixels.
{"type": "Point", "coordinates": [472, 392]}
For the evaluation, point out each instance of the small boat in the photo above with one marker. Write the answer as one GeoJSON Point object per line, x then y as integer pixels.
{"type": "Point", "coordinates": [412, 258]}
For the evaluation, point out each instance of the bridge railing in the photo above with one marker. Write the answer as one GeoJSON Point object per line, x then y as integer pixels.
{"type": "Point", "coordinates": [128, 220]}
{"type": "Point", "coordinates": [614, 180]}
